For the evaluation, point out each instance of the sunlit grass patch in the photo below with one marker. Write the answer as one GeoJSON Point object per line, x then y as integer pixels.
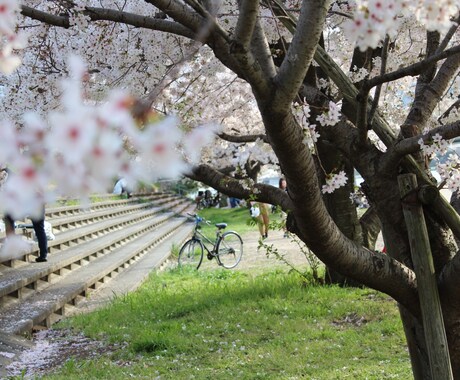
{"type": "Point", "coordinates": [226, 324]}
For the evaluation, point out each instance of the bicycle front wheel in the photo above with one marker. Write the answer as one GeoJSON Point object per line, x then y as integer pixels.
{"type": "Point", "coordinates": [229, 250]}
{"type": "Point", "coordinates": [191, 254]}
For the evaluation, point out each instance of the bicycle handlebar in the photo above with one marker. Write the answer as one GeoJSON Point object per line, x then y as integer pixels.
{"type": "Point", "coordinates": [199, 219]}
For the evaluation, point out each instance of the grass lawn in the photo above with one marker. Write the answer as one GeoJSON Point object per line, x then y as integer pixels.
{"type": "Point", "coordinates": [238, 219]}
{"type": "Point", "coordinates": [224, 324]}
{"type": "Point", "coordinates": [220, 324]}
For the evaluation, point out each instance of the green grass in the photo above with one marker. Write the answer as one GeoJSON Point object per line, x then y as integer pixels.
{"type": "Point", "coordinates": [238, 219]}
{"type": "Point", "coordinates": [226, 324]}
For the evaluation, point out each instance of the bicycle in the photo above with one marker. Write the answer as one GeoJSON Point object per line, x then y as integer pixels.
{"type": "Point", "coordinates": [227, 248]}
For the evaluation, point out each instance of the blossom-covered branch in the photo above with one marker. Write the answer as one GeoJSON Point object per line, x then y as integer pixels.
{"type": "Point", "coordinates": [98, 14]}
{"type": "Point", "coordinates": [412, 70]}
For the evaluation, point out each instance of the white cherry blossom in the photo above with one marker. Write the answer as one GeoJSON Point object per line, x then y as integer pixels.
{"type": "Point", "coordinates": [334, 181]}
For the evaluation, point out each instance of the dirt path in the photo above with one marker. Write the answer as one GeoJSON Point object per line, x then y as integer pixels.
{"type": "Point", "coordinates": [256, 259]}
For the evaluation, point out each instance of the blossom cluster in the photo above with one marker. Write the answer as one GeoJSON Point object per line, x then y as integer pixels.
{"type": "Point", "coordinates": [448, 168]}
{"type": "Point", "coordinates": [437, 146]}
{"type": "Point", "coordinates": [357, 74]}
{"type": "Point", "coordinates": [374, 19]}
{"type": "Point", "coordinates": [450, 172]}
{"type": "Point", "coordinates": [437, 14]}
{"type": "Point", "coordinates": [78, 19]}
{"type": "Point", "coordinates": [334, 181]}
{"type": "Point", "coordinates": [312, 134]}
{"type": "Point", "coordinates": [80, 149]}
{"type": "Point", "coordinates": [10, 39]}
{"type": "Point", "coordinates": [330, 117]}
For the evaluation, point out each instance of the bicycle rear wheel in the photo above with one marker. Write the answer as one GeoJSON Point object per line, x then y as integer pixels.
{"type": "Point", "coordinates": [229, 250]}
{"type": "Point", "coordinates": [191, 254]}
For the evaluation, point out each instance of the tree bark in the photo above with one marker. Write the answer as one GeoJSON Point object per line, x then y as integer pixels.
{"type": "Point", "coordinates": [370, 226]}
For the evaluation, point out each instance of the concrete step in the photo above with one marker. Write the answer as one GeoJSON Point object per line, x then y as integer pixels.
{"type": "Point", "coordinates": [105, 257]}
{"type": "Point", "coordinates": [59, 211]}
{"type": "Point", "coordinates": [16, 283]}
{"type": "Point", "coordinates": [41, 308]}
{"type": "Point", "coordinates": [134, 276]}
{"type": "Point", "coordinates": [84, 217]}
{"type": "Point", "coordinates": [78, 235]}
{"type": "Point", "coordinates": [58, 215]}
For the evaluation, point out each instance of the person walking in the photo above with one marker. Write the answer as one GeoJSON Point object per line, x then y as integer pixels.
{"type": "Point", "coordinates": [259, 212]}
{"type": "Point", "coordinates": [37, 223]}
{"type": "Point", "coordinates": [282, 184]}
{"type": "Point", "coordinates": [264, 213]}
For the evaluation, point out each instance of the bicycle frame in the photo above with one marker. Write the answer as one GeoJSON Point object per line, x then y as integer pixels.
{"type": "Point", "coordinates": [197, 234]}
{"type": "Point", "coordinates": [226, 248]}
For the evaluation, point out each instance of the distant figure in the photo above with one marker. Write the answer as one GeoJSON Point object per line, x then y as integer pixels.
{"type": "Point", "coordinates": [283, 186]}
{"type": "Point", "coordinates": [199, 199]}
{"type": "Point", "coordinates": [121, 187]}
{"type": "Point", "coordinates": [9, 225]}
{"type": "Point", "coordinates": [217, 200]}
{"type": "Point", "coordinates": [38, 225]}
{"type": "Point", "coordinates": [234, 202]}
{"type": "Point", "coordinates": [259, 212]}
{"type": "Point", "coordinates": [208, 201]}
{"type": "Point", "coordinates": [264, 210]}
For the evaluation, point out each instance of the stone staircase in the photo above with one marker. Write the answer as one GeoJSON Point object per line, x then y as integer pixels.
{"type": "Point", "coordinates": [104, 250]}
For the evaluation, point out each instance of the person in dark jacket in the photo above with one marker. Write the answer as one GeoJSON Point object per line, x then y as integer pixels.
{"type": "Point", "coordinates": [38, 225]}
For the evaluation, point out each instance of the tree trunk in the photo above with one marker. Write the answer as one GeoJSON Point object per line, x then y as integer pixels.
{"type": "Point", "coordinates": [339, 206]}
{"type": "Point", "coordinates": [370, 226]}
{"type": "Point", "coordinates": [455, 203]}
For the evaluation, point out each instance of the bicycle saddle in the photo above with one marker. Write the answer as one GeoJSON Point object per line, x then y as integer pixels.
{"type": "Point", "coordinates": [221, 226]}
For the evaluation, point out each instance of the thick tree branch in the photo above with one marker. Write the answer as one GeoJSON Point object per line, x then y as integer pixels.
{"type": "Point", "coordinates": [336, 74]}
{"type": "Point", "coordinates": [35, 14]}
{"type": "Point", "coordinates": [378, 90]}
{"type": "Point", "coordinates": [449, 35]}
{"type": "Point", "coordinates": [261, 51]}
{"type": "Point", "coordinates": [411, 145]}
{"type": "Point", "coordinates": [210, 19]}
{"type": "Point", "coordinates": [180, 13]}
{"type": "Point", "coordinates": [167, 26]}
{"type": "Point", "coordinates": [432, 43]}
{"type": "Point", "coordinates": [361, 117]}
{"type": "Point", "coordinates": [365, 115]}
{"type": "Point", "coordinates": [240, 189]}
{"type": "Point", "coordinates": [300, 53]}
{"type": "Point", "coordinates": [99, 14]}
{"type": "Point", "coordinates": [242, 139]}
{"type": "Point", "coordinates": [426, 100]}
{"type": "Point", "coordinates": [414, 69]}
{"type": "Point", "coordinates": [246, 23]}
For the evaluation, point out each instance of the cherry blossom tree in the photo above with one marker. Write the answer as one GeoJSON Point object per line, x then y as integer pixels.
{"type": "Point", "coordinates": [319, 88]}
